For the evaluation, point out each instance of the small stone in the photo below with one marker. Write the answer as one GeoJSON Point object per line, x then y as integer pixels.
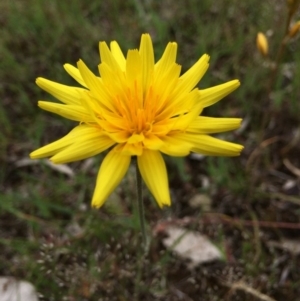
{"type": "Point", "coordinates": [201, 201]}
{"type": "Point", "coordinates": [191, 245]}
{"type": "Point", "coordinates": [12, 289]}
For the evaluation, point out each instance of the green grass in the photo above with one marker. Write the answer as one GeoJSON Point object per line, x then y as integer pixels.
{"type": "Point", "coordinates": [39, 206]}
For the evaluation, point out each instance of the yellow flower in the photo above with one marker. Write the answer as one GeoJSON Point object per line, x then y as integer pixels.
{"type": "Point", "coordinates": [294, 29]}
{"type": "Point", "coordinates": [137, 108]}
{"type": "Point", "coordinates": [262, 43]}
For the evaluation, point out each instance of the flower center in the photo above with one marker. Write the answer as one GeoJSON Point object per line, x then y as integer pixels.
{"type": "Point", "coordinates": [141, 123]}
{"type": "Point", "coordinates": [137, 110]}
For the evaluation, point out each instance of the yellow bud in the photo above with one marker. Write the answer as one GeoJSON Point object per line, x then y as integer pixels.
{"type": "Point", "coordinates": [294, 29]}
{"type": "Point", "coordinates": [262, 43]}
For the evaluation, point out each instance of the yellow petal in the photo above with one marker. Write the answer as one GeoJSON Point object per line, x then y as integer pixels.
{"type": "Point", "coordinates": [118, 54]}
{"type": "Point", "coordinates": [153, 170]}
{"type": "Point", "coordinates": [212, 95]}
{"type": "Point", "coordinates": [112, 125]}
{"type": "Point", "coordinates": [50, 149]}
{"type": "Point", "coordinates": [119, 137]}
{"type": "Point", "coordinates": [175, 147]}
{"type": "Point", "coordinates": [135, 149]}
{"type": "Point", "coordinates": [182, 122]}
{"type": "Point", "coordinates": [186, 113]}
{"type": "Point", "coordinates": [96, 86]}
{"type": "Point", "coordinates": [188, 104]}
{"type": "Point", "coordinates": [74, 72]}
{"type": "Point", "coordinates": [152, 142]}
{"type": "Point", "coordinates": [133, 65]}
{"type": "Point", "coordinates": [84, 146]}
{"type": "Point", "coordinates": [168, 59]}
{"type": "Point", "coordinates": [210, 125]}
{"type": "Point", "coordinates": [163, 86]}
{"type": "Point", "coordinates": [162, 128]}
{"type": "Point", "coordinates": [66, 94]}
{"type": "Point", "coordinates": [147, 55]}
{"type": "Point", "coordinates": [54, 147]}
{"type": "Point", "coordinates": [135, 138]}
{"type": "Point", "coordinates": [207, 145]}
{"type": "Point", "coordinates": [191, 78]}
{"type": "Point", "coordinates": [107, 57]}
{"type": "Point", "coordinates": [92, 81]}
{"type": "Point", "coordinates": [72, 112]}
{"type": "Point", "coordinates": [91, 105]}
{"type": "Point", "coordinates": [112, 84]}
{"type": "Point", "coordinates": [112, 171]}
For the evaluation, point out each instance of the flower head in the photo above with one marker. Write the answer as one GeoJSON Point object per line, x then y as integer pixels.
{"type": "Point", "coordinates": [137, 108]}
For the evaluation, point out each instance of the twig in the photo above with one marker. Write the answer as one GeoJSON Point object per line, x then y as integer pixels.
{"type": "Point", "coordinates": [216, 218]}
{"type": "Point", "coordinates": [247, 289]}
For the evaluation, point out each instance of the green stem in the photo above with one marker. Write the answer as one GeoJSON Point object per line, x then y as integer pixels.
{"type": "Point", "coordinates": [140, 203]}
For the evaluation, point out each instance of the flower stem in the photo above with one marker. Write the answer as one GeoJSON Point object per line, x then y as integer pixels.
{"type": "Point", "coordinates": [140, 203]}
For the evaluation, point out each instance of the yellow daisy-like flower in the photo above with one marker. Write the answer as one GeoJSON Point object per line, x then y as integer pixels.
{"type": "Point", "coordinates": [137, 108]}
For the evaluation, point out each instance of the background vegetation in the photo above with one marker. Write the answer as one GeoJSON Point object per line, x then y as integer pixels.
{"type": "Point", "coordinates": [48, 233]}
